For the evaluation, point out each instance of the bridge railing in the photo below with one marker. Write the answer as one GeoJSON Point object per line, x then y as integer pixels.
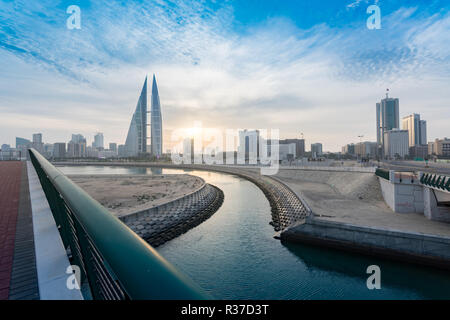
{"type": "Point", "coordinates": [382, 173]}
{"type": "Point", "coordinates": [436, 181]}
{"type": "Point", "coordinates": [115, 263]}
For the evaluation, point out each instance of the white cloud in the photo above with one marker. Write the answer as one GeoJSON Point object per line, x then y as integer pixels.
{"type": "Point", "coordinates": [322, 82]}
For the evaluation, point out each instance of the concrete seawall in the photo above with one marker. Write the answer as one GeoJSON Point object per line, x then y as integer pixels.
{"type": "Point", "coordinates": [405, 246]}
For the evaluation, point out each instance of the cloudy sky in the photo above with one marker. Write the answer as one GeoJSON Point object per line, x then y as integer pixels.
{"type": "Point", "coordinates": [310, 67]}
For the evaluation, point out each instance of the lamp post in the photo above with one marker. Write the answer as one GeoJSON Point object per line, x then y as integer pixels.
{"type": "Point", "coordinates": [360, 145]}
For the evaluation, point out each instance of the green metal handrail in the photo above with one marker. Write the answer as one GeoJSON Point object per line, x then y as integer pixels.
{"type": "Point", "coordinates": [110, 253]}
{"type": "Point", "coordinates": [436, 181]}
{"type": "Point", "coordinates": [382, 173]}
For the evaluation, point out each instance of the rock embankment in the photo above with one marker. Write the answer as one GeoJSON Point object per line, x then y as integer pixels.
{"type": "Point", "coordinates": [167, 221]}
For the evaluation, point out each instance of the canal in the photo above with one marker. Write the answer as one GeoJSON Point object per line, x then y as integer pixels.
{"type": "Point", "coordinates": [233, 254]}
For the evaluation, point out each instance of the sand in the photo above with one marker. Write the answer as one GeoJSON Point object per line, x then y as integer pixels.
{"type": "Point", "coordinates": [124, 194]}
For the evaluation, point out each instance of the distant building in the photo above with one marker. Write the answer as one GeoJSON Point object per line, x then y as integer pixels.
{"type": "Point", "coordinates": [37, 143]}
{"type": "Point", "coordinates": [76, 148]}
{"type": "Point", "coordinates": [22, 142]}
{"type": "Point", "coordinates": [156, 122]}
{"type": "Point", "coordinates": [188, 149]}
{"type": "Point", "coordinates": [349, 149]}
{"type": "Point", "coordinates": [122, 151]}
{"type": "Point", "coordinates": [396, 143]}
{"type": "Point", "coordinates": [439, 147]}
{"type": "Point", "coordinates": [136, 142]}
{"type": "Point", "coordinates": [366, 149]}
{"type": "Point", "coordinates": [113, 147]}
{"type": "Point", "coordinates": [5, 147]}
{"type": "Point", "coordinates": [37, 138]}
{"type": "Point", "coordinates": [316, 150]}
{"type": "Point", "coordinates": [59, 150]}
{"type": "Point", "coordinates": [287, 151]}
{"type": "Point", "coordinates": [417, 129]}
{"type": "Point", "coordinates": [299, 146]}
{"type": "Point", "coordinates": [98, 141]}
{"type": "Point", "coordinates": [249, 145]}
{"type": "Point", "coordinates": [418, 151]}
{"type": "Point", "coordinates": [78, 138]}
{"type": "Point", "coordinates": [387, 117]}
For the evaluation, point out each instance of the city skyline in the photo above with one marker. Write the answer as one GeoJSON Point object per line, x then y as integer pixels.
{"type": "Point", "coordinates": [228, 65]}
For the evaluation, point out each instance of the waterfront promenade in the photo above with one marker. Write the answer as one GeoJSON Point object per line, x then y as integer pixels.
{"type": "Point", "coordinates": [18, 276]}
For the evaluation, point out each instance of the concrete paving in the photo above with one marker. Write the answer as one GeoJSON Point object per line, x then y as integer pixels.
{"type": "Point", "coordinates": [328, 203]}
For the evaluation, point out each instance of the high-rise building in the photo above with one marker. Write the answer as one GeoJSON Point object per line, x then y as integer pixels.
{"type": "Point", "coordinates": [366, 149]}
{"type": "Point", "coordinates": [59, 150]}
{"type": "Point", "coordinates": [417, 129]}
{"type": "Point", "coordinates": [78, 138]}
{"type": "Point", "coordinates": [316, 150]}
{"type": "Point", "coordinates": [136, 142]}
{"type": "Point", "coordinates": [37, 143]}
{"type": "Point", "coordinates": [76, 148]}
{"type": "Point", "coordinates": [287, 151]}
{"type": "Point", "coordinates": [113, 147]}
{"type": "Point", "coordinates": [396, 143]}
{"type": "Point", "coordinates": [156, 122]}
{"type": "Point", "coordinates": [387, 114]}
{"type": "Point", "coordinates": [349, 149]}
{"type": "Point", "coordinates": [22, 142]}
{"type": "Point", "coordinates": [37, 138]}
{"type": "Point", "coordinates": [249, 145]}
{"type": "Point", "coordinates": [98, 141]}
{"type": "Point", "coordinates": [299, 146]}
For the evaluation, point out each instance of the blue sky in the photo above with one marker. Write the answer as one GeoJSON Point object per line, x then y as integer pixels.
{"type": "Point", "coordinates": [300, 66]}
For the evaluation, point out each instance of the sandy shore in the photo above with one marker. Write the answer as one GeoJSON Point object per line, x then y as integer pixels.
{"type": "Point", "coordinates": [123, 194]}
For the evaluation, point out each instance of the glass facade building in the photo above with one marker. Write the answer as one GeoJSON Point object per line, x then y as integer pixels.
{"type": "Point", "coordinates": [156, 122]}
{"type": "Point", "coordinates": [136, 141]}
{"type": "Point", "coordinates": [387, 118]}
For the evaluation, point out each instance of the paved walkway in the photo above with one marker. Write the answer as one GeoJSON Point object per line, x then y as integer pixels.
{"type": "Point", "coordinates": [18, 278]}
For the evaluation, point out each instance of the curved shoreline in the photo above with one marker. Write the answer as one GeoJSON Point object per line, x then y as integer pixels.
{"type": "Point", "coordinates": [287, 207]}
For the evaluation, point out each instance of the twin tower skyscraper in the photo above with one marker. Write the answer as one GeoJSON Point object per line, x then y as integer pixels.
{"type": "Point", "coordinates": [136, 143]}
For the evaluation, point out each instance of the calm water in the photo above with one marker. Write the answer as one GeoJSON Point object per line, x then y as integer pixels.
{"type": "Point", "coordinates": [233, 255]}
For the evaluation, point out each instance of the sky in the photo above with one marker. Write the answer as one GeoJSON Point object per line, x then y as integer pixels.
{"type": "Point", "coordinates": [310, 67]}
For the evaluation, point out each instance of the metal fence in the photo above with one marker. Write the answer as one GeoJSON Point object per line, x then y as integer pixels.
{"type": "Point", "coordinates": [115, 263]}
{"type": "Point", "coordinates": [382, 173]}
{"type": "Point", "coordinates": [436, 181]}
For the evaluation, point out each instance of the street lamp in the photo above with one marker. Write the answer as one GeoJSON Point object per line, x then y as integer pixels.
{"type": "Point", "coordinates": [360, 145]}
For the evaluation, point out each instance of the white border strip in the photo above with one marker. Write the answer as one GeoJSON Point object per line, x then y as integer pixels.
{"type": "Point", "coordinates": [51, 257]}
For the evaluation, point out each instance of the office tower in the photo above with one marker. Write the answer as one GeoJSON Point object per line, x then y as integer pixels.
{"type": "Point", "coordinates": [113, 147]}
{"type": "Point", "coordinates": [59, 150]}
{"type": "Point", "coordinates": [299, 146]}
{"type": "Point", "coordinates": [37, 143]}
{"type": "Point", "coordinates": [348, 149]}
{"type": "Point", "coordinates": [316, 150]}
{"type": "Point", "coordinates": [22, 142]}
{"type": "Point", "coordinates": [387, 115]}
{"type": "Point", "coordinates": [249, 145]}
{"type": "Point", "coordinates": [423, 132]}
{"type": "Point", "coordinates": [417, 129]}
{"type": "Point", "coordinates": [98, 141]}
{"type": "Point", "coordinates": [156, 122]}
{"type": "Point", "coordinates": [37, 138]}
{"type": "Point", "coordinates": [396, 143]}
{"type": "Point", "coordinates": [76, 148]}
{"type": "Point", "coordinates": [136, 142]}
{"type": "Point", "coordinates": [366, 149]}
